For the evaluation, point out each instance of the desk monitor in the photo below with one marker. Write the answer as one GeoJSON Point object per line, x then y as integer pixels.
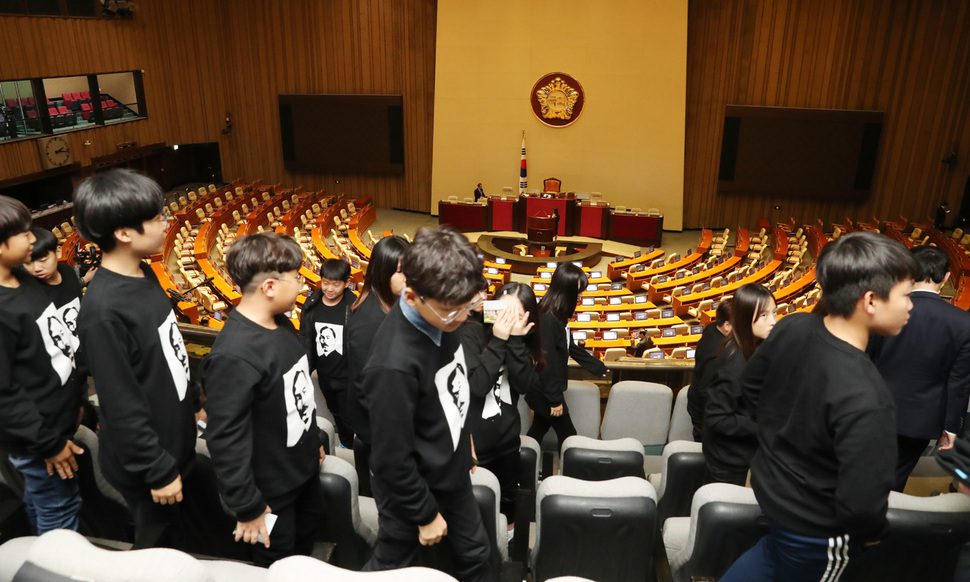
{"type": "Point", "coordinates": [714, 305]}
{"type": "Point", "coordinates": [696, 329]}
{"type": "Point", "coordinates": [592, 287]}
{"type": "Point", "coordinates": [578, 264]}
{"type": "Point", "coordinates": [637, 254]}
{"type": "Point", "coordinates": [610, 335]}
{"type": "Point", "coordinates": [545, 275]}
{"type": "Point", "coordinates": [612, 317]}
{"type": "Point", "coordinates": [499, 260]}
{"type": "Point", "coordinates": [596, 274]}
{"type": "Point", "coordinates": [656, 355]}
{"type": "Point", "coordinates": [579, 336]}
{"type": "Point", "coordinates": [539, 287]}
{"type": "Point", "coordinates": [615, 301]}
{"type": "Point", "coordinates": [589, 301]}
{"type": "Point", "coordinates": [640, 316]}
{"type": "Point", "coordinates": [668, 332]}
{"type": "Point", "coordinates": [697, 269]}
{"type": "Point", "coordinates": [690, 353]}
{"type": "Point", "coordinates": [616, 286]}
{"type": "Point", "coordinates": [667, 313]}
{"type": "Point", "coordinates": [585, 317]}
{"type": "Point", "coordinates": [661, 278]}
{"type": "Point", "coordinates": [680, 275]}
{"type": "Point", "coordinates": [550, 265]}
{"type": "Point", "coordinates": [640, 299]}
{"type": "Point", "coordinates": [491, 271]}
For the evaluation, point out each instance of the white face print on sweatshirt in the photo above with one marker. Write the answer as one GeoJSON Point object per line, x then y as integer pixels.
{"type": "Point", "coordinates": [330, 338]}
{"type": "Point", "coordinates": [59, 342]}
{"type": "Point", "coordinates": [452, 384]}
{"type": "Point", "coordinates": [176, 356]}
{"type": "Point", "coordinates": [500, 392]}
{"type": "Point", "coordinates": [298, 396]}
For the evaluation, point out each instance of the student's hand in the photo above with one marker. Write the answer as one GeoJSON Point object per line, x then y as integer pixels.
{"type": "Point", "coordinates": [89, 275]}
{"type": "Point", "coordinates": [945, 442]}
{"type": "Point", "coordinates": [556, 411]}
{"type": "Point", "coordinates": [202, 415]}
{"type": "Point", "coordinates": [432, 533]}
{"type": "Point", "coordinates": [169, 494]}
{"type": "Point", "coordinates": [249, 531]}
{"type": "Point", "coordinates": [506, 319]}
{"type": "Point", "coordinates": [64, 462]}
{"type": "Point", "coordinates": [323, 454]}
{"type": "Point", "coordinates": [522, 325]}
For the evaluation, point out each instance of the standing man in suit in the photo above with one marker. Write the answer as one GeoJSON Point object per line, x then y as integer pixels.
{"type": "Point", "coordinates": [927, 366]}
{"type": "Point", "coordinates": [479, 192]}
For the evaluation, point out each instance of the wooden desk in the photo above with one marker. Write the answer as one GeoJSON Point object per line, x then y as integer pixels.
{"type": "Point", "coordinates": [504, 212]}
{"type": "Point", "coordinates": [658, 290]}
{"type": "Point", "coordinates": [682, 303]}
{"type": "Point", "coordinates": [626, 324]}
{"type": "Point", "coordinates": [463, 216]}
{"type": "Point", "coordinates": [639, 229]}
{"type": "Point", "coordinates": [592, 219]}
{"type": "Point", "coordinates": [614, 269]}
{"type": "Point", "coordinates": [634, 307]}
{"type": "Point", "coordinates": [677, 340]}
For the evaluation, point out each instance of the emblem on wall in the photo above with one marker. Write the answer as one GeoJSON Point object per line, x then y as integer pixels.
{"type": "Point", "coordinates": [557, 99]}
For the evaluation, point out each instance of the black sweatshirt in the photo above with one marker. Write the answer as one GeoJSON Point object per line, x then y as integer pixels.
{"type": "Point", "coordinates": [418, 397]}
{"type": "Point", "coordinates": [498, 372]}
{"type": "Point", "coordinates": [141, 372]}
{"type": "Point", "coordinates": [729, 433]}
{"type": "Point", "coordinates": [707, 350]}
{"type": "Point", "coordinates": [361, 330]}
{"type": "Point", "coordinates": [67, 298]}
{"type": "Point", "coordinates": [39, 402]}
{"type": "Point", "coordinates": [262, 431]}
{"type": "Point", "coordinates": [826, 432]}
{"type": "Point", "coordinates": [322, 332]}
{"type": "Point", "coordinates": [558, 347]}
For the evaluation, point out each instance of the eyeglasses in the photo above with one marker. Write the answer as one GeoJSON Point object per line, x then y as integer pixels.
{"type": "Point", "coordinates": [452, 316]}
{"type": "Point", "coordinates": [298, 279]}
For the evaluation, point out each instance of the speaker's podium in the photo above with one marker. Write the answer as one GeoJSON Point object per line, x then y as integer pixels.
{"type": "Point", "coordinates": [541, 233]}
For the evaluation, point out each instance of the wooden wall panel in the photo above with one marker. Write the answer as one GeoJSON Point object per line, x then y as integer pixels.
{"type": "Point", "coordinates": [340, 46]}
{"type": "Point", "coordinates": [175, 42]}
{"type": "Point", "coordinates": [908, 58]}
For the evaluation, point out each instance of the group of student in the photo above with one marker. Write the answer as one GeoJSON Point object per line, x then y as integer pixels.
{"type": "Point", "coordinates": [830, 411]}
{"type": "Point", "coordinates": [418, 385]}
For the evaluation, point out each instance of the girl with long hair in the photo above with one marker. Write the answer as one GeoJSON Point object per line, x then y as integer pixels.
{"type": "Point", "coordinates": [729, 432]}
{"type": "Point", "coordinates": [555, 310]}
{"type": "Point", "coordinates": [383, 284]}
{"type": "Point", "coordinates": [503, 363]}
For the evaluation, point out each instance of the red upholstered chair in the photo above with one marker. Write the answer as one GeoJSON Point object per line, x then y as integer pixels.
{"type": "Point", "coordinates": [553, 185]}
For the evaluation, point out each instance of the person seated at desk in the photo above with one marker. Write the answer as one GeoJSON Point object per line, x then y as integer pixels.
{"type": "Point", "coordinates": [479, 192]}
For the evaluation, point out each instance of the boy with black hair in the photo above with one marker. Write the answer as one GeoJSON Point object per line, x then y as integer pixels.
{"type": "Point", "coordinates": [322, 325]}
{"type": "Point", "coordinates": [417, 393]}
{"type": "Point", "coordinates": [38, 405]}
{"type": "Point", "coordinates": [927, 366]}
{"type": "Point", "coordinates": [825, 421]}
{"type": "Point", "coordinates": [140, 366]}
{"type": "Point", "coordinates": [262, 429]}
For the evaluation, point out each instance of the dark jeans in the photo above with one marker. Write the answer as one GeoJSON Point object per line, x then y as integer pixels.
{"type": "Point", "coordinates": [785, 556]}
{"type": "Point", "coordinates": [299, 514]}
{"type": "Point", "coordinates": [397, 542]}
{"type": "Point", "coordinates": [542, 422]}
{"type": "Point", "coordinates": [50, 502]}
{"type": "Point", "coordinates": [909, 452]}
{"type": "Point", "coordinates": [506, 469]}
{"type": "Point", "coordinates": [197, 525]}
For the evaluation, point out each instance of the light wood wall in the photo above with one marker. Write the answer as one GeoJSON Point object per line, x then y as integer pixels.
{"type": "Point", "coordinates": [205, 58]}
{"type": "Point", "coordinates": [176, 44]}
{"type": "Point", "coordinates": [908, 58]}
{"type": "Point", "coordinates": [337, 46]}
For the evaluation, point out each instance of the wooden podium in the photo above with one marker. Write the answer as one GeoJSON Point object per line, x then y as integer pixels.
{"type": "Point", "coordinates": [541, 230]}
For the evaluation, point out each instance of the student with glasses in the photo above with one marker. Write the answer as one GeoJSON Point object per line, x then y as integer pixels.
{"type": "Point", "coordinates": [555, 310]}
{"type": "Point", "coordinates": [416, 387]}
